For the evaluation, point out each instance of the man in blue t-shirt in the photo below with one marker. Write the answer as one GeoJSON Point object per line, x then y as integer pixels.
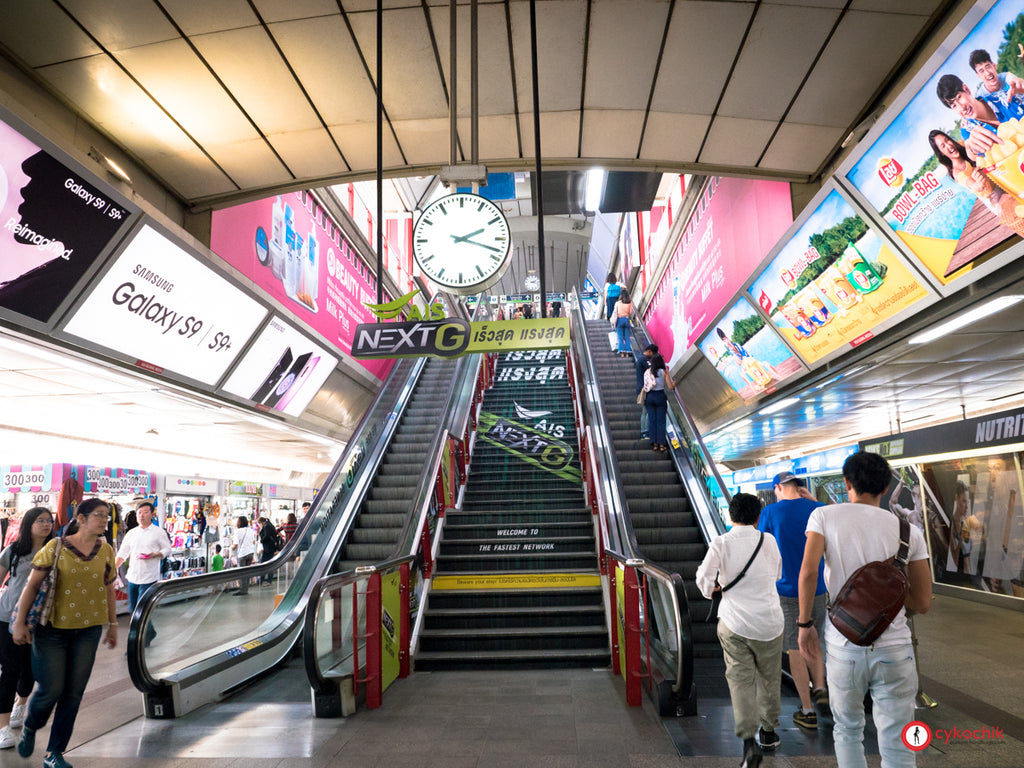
{"type": "Point", "coordinates": [1003, 91]}
{"type": "Point", "coordinates": [786, 520]}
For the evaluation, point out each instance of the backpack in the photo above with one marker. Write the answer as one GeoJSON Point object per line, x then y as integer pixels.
{"type": "Point", "coordinates": [873, 595]}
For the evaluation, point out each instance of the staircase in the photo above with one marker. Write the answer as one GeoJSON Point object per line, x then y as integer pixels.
{"type": "Point", "coordinates": [517, 582]}
{"type": "Point", "coordinates": [666, 530]}
{"type": "Point", "coordinates": [387, 506]}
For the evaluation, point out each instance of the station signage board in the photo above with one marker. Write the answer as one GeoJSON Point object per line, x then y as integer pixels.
{"type": "Point", "coordinates": [161, 307]}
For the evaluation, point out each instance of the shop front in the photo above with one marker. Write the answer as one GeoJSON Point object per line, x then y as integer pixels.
{"type": "Point", "coordinates": [192, 519]}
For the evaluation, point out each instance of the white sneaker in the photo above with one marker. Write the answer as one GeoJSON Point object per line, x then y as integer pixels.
{"type": "Point", "coordinates": [18, 715]}
{"type": "Point", "coordinates": [7, 738]}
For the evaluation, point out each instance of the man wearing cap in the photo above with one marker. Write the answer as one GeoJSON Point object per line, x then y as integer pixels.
{"type": "Point", "coordinates": [643, 362]}
{"type": "Point", "coordinates": [786, 520]}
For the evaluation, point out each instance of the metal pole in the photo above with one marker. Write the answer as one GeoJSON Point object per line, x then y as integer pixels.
{"type": "Point", "coordinates": [380, 153]}
{"type": "Point", "coordinates": [474, 89]}
{"type": "Point", "coordinates": [536, 149]}
{"type": "Point", "coordinates": [453, 100]}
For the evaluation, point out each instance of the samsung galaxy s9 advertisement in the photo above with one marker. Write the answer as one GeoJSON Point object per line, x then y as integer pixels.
{"type": "Point", "coordinates": [282, 371]}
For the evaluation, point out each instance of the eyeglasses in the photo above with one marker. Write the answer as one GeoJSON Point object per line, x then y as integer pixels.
{"type": "Point", "coordinates": [99, 516]}
{"type": "Point", "coordinates": [43, 521]}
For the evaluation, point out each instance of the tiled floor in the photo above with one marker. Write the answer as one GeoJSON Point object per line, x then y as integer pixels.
{"type": "Point", "coordinates": [555, 718]}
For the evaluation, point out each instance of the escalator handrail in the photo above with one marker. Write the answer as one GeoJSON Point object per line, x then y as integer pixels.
{"type": "Point", "coordinates": [400, 376]}
{"type": "Point", "coordinates": [609, 477]}
{"type": "Point", "coordinates": [682, 420]}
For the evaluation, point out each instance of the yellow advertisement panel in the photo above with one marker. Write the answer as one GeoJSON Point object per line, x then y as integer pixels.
{"type": "Point", "coordinates": [391, 627]}
{"type": "Point", "coordinates": [620, 614]}
{"type": "Point", "coordinates": [833, 282]}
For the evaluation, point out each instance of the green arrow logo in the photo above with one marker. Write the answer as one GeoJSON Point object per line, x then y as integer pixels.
{"type": "Point", "coordinates": [392, 309]}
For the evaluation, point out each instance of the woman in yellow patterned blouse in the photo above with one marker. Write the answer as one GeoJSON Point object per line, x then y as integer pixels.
{"type": "Point", "coordinates": [63, 651]}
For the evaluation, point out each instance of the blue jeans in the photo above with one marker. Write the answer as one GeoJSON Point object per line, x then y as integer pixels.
{"type": "Point", "coordinates": [622, 328]}
{"type": "Point", "coordinates": [135, 593]}
{"type": "Point", "coordinates": [657, 410]}
{"type": "Point", "coordinates": [62, 661]}
{"type": "Point", "coordinates": [610, 306]}
{"type": "Point", "coordinates": [889, 673]}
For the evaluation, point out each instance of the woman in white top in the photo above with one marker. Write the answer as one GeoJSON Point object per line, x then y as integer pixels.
{"type": "Point", "coordinates": [244, 549]}
{"type": "Point", "coordinates": [623, 309]}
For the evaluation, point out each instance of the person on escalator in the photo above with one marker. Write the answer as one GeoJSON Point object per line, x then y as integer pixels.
{"type": "Point", "coordinates": [269, 541]}
{"type": "Point", "coordinates": [643, 362]}
{"type": "Point", "coordinates": [245, 550]}
{"type": "Point", "coordinates": [623, 310]}
{"type": "Point", "coordinates": [747, 563]}
{"type": "Point", "coordinates": [611, 293]}
{"type": "Point", "coordinates": [656, 379]}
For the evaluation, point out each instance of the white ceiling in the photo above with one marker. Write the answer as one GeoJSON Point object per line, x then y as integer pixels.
{"type": "Point", "coordinates": [223, 98]}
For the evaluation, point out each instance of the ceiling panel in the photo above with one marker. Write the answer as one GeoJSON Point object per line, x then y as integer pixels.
{"type": "Point", "coordinates": [412, 85]}
{"type": "Point", "coordinates": [862, 51]}
{"type": "Point", "coordinates": [425, 141]}
{"type": "Point", "coordinates": [203, 18]}
{"type": "Point", "coordinates": [358, 141]}
{"type": "Point", "coordinates": [919, 7]}
{"type": "Point", "coordinates": [191, 174]}
{"type": "Point", "coordinates": [673, 135]}
{"type": "Point", "coordinates": [704, 37]}
{"type": "Point", "coordinates": [800, 146]}
{"type": "Point", "coordinates": [494, 66]}
{"type": "Point", "coordinates": [605, 133]}
{"type": "Point", "coordinates": [627, 26]}
{"type": "Point", "coordinates": [560, 30]}
{"type": "Point", "coordinates": [342, 92]}
{"type": "Point", "coordinates": [250, 162]}
{"type": "Point", "coordinates": [309, 154]}
{"type": "Point", "coordinates": [559, 134]}
{"type": "Point", "coordinates": [247, 63]}
{"type": "Point", "coordinates": [289, 10]}
{"type": "Point", "coordinates": [122, 24]}
{"type": "Point", "coordinates": [735, 141]}
{"type": "Point", "coordinates": [771, 67]}
{"type": "Point", "coordinates": [498, 136]}
{"type": "Point", "coordinates": [40, 33]}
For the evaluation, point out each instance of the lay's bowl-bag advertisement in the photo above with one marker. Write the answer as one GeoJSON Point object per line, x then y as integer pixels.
{"type": "Point", "coordinates": [946, 173]}
{"type": "Point", "coordinates": [833, 282]}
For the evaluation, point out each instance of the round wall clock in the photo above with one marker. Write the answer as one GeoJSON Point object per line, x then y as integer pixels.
{"type": "Point", "coordinates": [531, 283]}
{"type": "Point", "coordinates": [462, 243]}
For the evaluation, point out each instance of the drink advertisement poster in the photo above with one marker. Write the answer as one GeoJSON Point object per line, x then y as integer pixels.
{"type": "Point", "coordinates": [733, 227]}
{"type": "Point", "coordinates": [285, 249]}
{"type": "Point", "coordinates": [53, 225]}
{"type": "Point", "coordinates": [159, 305]}
{"type": "Point", "coordinates": [947, 173]}
{"type": "Point", "coordinates": [833, 282]}
{"type": "Point", "coordinates": [748, 352]}
{"type": "Point", "coordinates": [282, 371]}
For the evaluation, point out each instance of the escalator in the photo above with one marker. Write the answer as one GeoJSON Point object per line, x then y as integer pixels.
{"type": "Point", "coordinates": [517, 583]}
{"type": "Point", "coordinates": [211, 642]}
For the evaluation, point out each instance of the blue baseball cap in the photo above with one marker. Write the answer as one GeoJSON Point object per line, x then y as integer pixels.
{"type": "Point", "coordinates": [787, 477]}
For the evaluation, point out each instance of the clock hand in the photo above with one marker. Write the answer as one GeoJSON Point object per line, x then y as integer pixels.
{"type": "Point", "coordinates": [466, 238]}
{"type": "Point", "coordinates": [484, 245]}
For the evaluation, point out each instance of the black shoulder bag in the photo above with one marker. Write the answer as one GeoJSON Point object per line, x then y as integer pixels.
{"type": "Point", "coordinates": [716, 597]}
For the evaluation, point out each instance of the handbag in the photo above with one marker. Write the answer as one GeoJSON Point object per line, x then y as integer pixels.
{"type": "Point", "coordinates": [42, 606]}
{"type": "Point", "coordinates": [716, 597]}
{"type": "Point", "coordinates": [641, 399]}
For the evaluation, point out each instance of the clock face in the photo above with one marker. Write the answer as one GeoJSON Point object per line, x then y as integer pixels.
{"type": "Point", "coordinates": [462, 243]}
{"type": "Point", "coordinates": [531, 283]}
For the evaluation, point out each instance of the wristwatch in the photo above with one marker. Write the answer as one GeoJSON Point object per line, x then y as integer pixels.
{"type": "Point", "coordinates": [805, 624]}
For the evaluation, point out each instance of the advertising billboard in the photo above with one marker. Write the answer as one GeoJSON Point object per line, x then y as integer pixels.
{"type": "Point", "coordinates": [833, 282]}
{"type": "Point", "coordinates": [296, 255]}
{"type": "Point", "coordinates": [732, 229]}
{"type": "Point", "coordinates": [748, 352]}
{"type": "Point", "coordinates": [282, 370]}
{"type": "Point", "coordinates": [161, 306]}
{"type": "Point", "coordinates": [53, 225]}
{"type": "Point", "coordinates": [946, 171]}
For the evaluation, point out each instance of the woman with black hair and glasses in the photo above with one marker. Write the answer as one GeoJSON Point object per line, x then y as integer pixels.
{"type": "Point", "coordinates": [16, 680]}
{"type": "Point", "coordinates": [63, 651]}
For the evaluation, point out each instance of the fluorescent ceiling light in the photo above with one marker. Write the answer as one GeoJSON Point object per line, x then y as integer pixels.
{"type": "Point", "coordinates": [776, 407]}
{"type": "Point", "coordinates": [986, 309]}
{"type": "Point", "coordinates": [595, 186]}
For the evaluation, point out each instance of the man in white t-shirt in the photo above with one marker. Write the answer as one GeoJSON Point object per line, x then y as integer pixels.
{"type": "Point", "coordinates": [143, 547]}
{"type": "Point", "coordinates": [849, 536]}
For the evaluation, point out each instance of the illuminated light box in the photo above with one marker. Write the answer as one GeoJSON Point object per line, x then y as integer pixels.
{"type": "Point", "coordinates": [159, 305]}
{"type": "Point", "coordinates": [282, 371]}
{"type": "Point", "coordinates": [834, 282]}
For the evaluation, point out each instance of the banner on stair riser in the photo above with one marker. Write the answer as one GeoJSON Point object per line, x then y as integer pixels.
{"type": "Point", "coordinates": [531, 445]}
{"type": "Point", "coordinates": [454, 337]}
{"type": "Point", "coordinates": [391, 623]}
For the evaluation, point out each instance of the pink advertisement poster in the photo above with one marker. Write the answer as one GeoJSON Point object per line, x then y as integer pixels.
{"type": "Point", "coordinates": [283, 245]}
{"type": "Point", "coordinates": [735, 224]}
